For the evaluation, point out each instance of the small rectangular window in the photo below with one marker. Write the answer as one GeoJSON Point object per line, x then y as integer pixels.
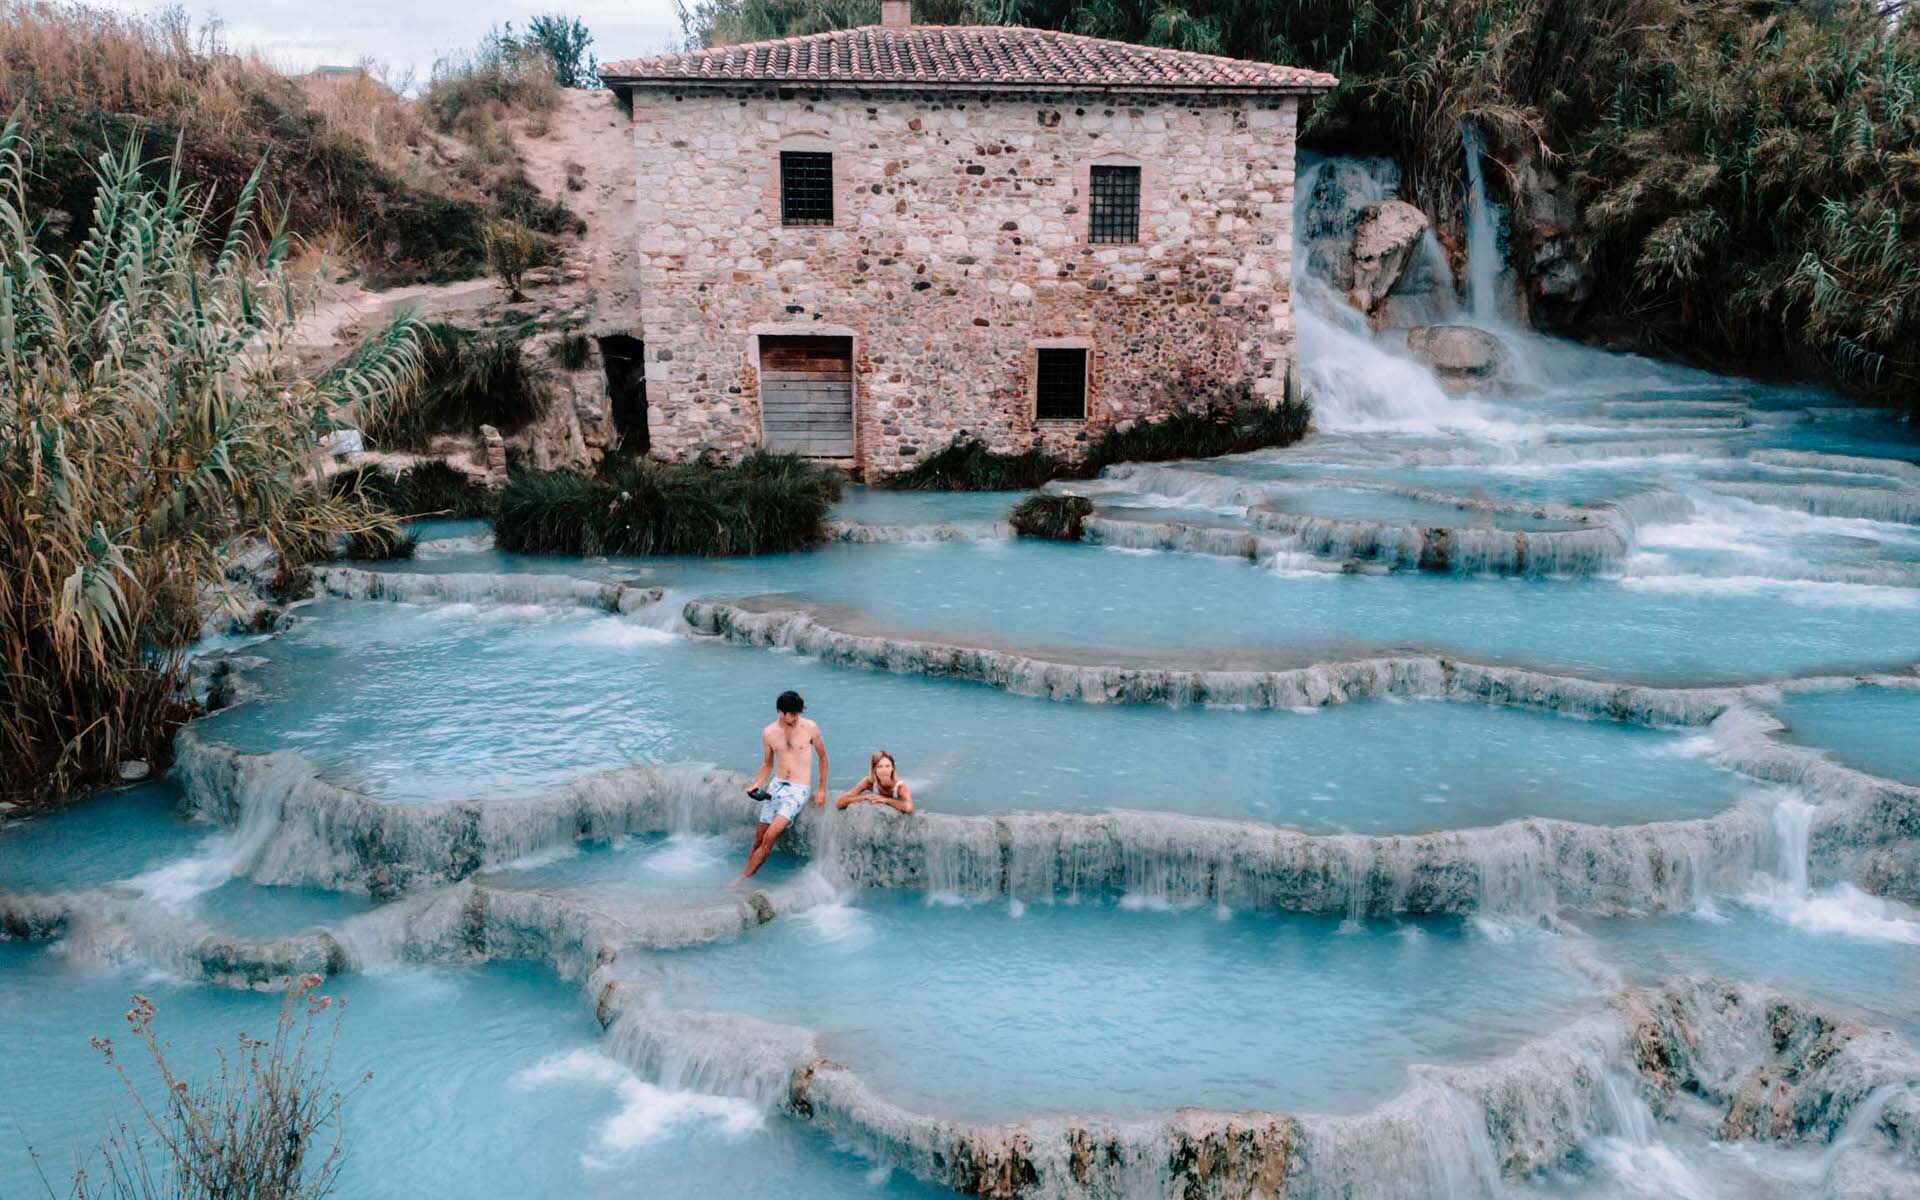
{"type": "Point", "coordinates": [1115, 208]}
{"type": "Point", "coordinates": [806, 188]}
{"type": "Point", "coordinates": [1060, 391]}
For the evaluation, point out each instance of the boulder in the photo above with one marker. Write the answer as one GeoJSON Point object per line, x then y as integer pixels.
{"type": "Point", "coordinates": [1341, 190]}
{"type": "Point", "coordinates": [1383, 243]}
{"type": "Point", "coordinates": [1462, 356]}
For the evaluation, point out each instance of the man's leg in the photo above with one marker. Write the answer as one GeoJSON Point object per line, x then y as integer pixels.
{"type": "Point", "coordinates": [759, 835]}
{"type": "Point", "coordinates": [763, 844]}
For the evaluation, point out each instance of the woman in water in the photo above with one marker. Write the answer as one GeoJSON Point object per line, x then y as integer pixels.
{"type": "Point", "coordinates": [882, 785]}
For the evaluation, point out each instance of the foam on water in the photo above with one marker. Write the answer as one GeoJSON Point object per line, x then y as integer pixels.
{"type": "Point", "coordinates": [647, 1113]}
{"type": "Point", "coordinates": [1840, 909]}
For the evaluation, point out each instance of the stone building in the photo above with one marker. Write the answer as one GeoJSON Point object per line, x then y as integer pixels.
{"type": "Point", "coordinates": [858, 245]}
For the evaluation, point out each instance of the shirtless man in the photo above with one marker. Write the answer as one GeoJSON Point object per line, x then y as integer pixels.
{"type": "Point", "coordinates": [787, 743]}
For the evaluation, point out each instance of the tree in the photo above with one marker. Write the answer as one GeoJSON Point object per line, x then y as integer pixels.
{"type": "Point", "coordinates": [563, 42]}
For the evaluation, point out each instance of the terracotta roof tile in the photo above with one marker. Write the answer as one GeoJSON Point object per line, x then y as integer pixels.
{"type": "Point", "coordinates": [962, 56]}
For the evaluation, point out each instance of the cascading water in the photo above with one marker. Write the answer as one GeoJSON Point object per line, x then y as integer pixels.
{"type": "Point", "coordinates": [1485, 264]}
{"type": "Point", "coordinates": [1355, 383]}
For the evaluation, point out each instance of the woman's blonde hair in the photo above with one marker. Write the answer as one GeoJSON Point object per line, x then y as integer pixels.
{"type": "Point", "coordinates": [873, 770]}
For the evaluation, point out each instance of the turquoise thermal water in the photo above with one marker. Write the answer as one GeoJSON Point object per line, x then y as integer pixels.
{"type": "Point", "coordinates": [1749, 551]}
{"type": "Point", "coordinates": [450, 702]}
{"type": "Point", "coordinates": [988, 1013]}
{"type": "Point", "coordinates": [1875, 973]}
{"type": "Point", "coordinates": [487, 1082]}
{"type": "Point", "coordinates": [646, 868]}
{"type": "Point", "coordinates": [1034, 595]}
{"type": "Point", "coordinates": [1875, 729]}
{"type": "Point", "coordinates": [1366, 504]}
{"type": "Point", "coordinates": [878, 506]}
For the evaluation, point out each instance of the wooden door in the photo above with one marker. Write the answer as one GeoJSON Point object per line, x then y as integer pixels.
{"type": "Point", "coordinates": [806, 395]}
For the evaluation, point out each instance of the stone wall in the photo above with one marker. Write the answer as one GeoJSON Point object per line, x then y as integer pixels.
{"type": "Point", "coordinates": [959, 245]}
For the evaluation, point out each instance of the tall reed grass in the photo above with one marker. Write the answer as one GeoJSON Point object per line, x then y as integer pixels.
{"type": "Point", "coordinates": [149, 427]}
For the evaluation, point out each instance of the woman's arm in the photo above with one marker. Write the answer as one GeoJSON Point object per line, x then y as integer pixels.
{"type": "Point", "coordinates": [854, 794]}
{"type": "Point", "coordinates": [820, 748]}
{"type": "Point", "coordinates": [900, 801]}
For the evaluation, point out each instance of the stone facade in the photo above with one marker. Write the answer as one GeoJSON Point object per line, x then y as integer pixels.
{"type": "Point", "coordinates": [959, 247]}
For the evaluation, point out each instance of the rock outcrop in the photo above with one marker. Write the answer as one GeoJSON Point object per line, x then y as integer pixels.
{"type": "Point", "coordinates": [1558, 281]}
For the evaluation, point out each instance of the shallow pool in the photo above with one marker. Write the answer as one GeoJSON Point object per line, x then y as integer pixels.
{"type": "Point", "coordinates": [985, 1012]}
{"type": "Point", "coordinates": [1875, 729]}
{"type": "Point", "coordinates": [1671, 629]}
{"type": "Point", "coordinates": [450, 702]}
{"type": "Point", "coordinates": [135, 844]}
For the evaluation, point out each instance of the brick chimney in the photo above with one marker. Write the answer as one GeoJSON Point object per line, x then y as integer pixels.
{"type": "Point", "coordinates": [896, 14]}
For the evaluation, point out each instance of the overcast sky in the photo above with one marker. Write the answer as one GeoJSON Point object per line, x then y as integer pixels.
{"type": "Point", "coordinates": [300, 34]}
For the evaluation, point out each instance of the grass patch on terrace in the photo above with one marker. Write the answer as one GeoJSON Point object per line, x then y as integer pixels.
{"type": "Point", "coordinates": [765, 504]}
{"type": "Point", "coordinates": [431, 489]}
{"type": "Point", "coordinates": [1057, 518]}
{"type": "Point", "coordinates": [1231, 426]}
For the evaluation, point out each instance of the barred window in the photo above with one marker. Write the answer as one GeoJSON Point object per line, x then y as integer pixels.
{"type": "Point", "coordinates": [806, 188]}
{"type": "Point", "coordinates": [1060, 391]}
{"type": "Point", "coordinates": [1115, 210]}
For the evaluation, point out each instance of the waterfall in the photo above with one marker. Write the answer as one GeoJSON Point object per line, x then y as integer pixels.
{"type": "Point", "coordinates": [1353, 381]}
{"type": "Point", "coordinates": [1843, 908]}
{"type": "Point", "coordinates": [1634, 1155]}
{"type": "Point", "coordinates": [1483, 239]}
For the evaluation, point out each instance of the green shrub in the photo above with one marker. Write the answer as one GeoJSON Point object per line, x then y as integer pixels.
{"type": "Point", "coordinates": [434, 489]}
{"type": "Point", "coordinates": [564, 42]}
{"type": "Point", "coordinates": [1231, 423]}
{"type": "Point", "coordinates": [967, 464]}
{"type": "Point", "coordinates": [1059, 518]}
{"type": "Point", "coordinates": [510, 254]}
{"type": "Point", "coordinates": [502, 78]}
{"type": "Point", "coordinates": [766, 504]}
{"type": "Point", "coordinates": [381, 544]}
{"type": "Point", "coordinates": [1753, 191]}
